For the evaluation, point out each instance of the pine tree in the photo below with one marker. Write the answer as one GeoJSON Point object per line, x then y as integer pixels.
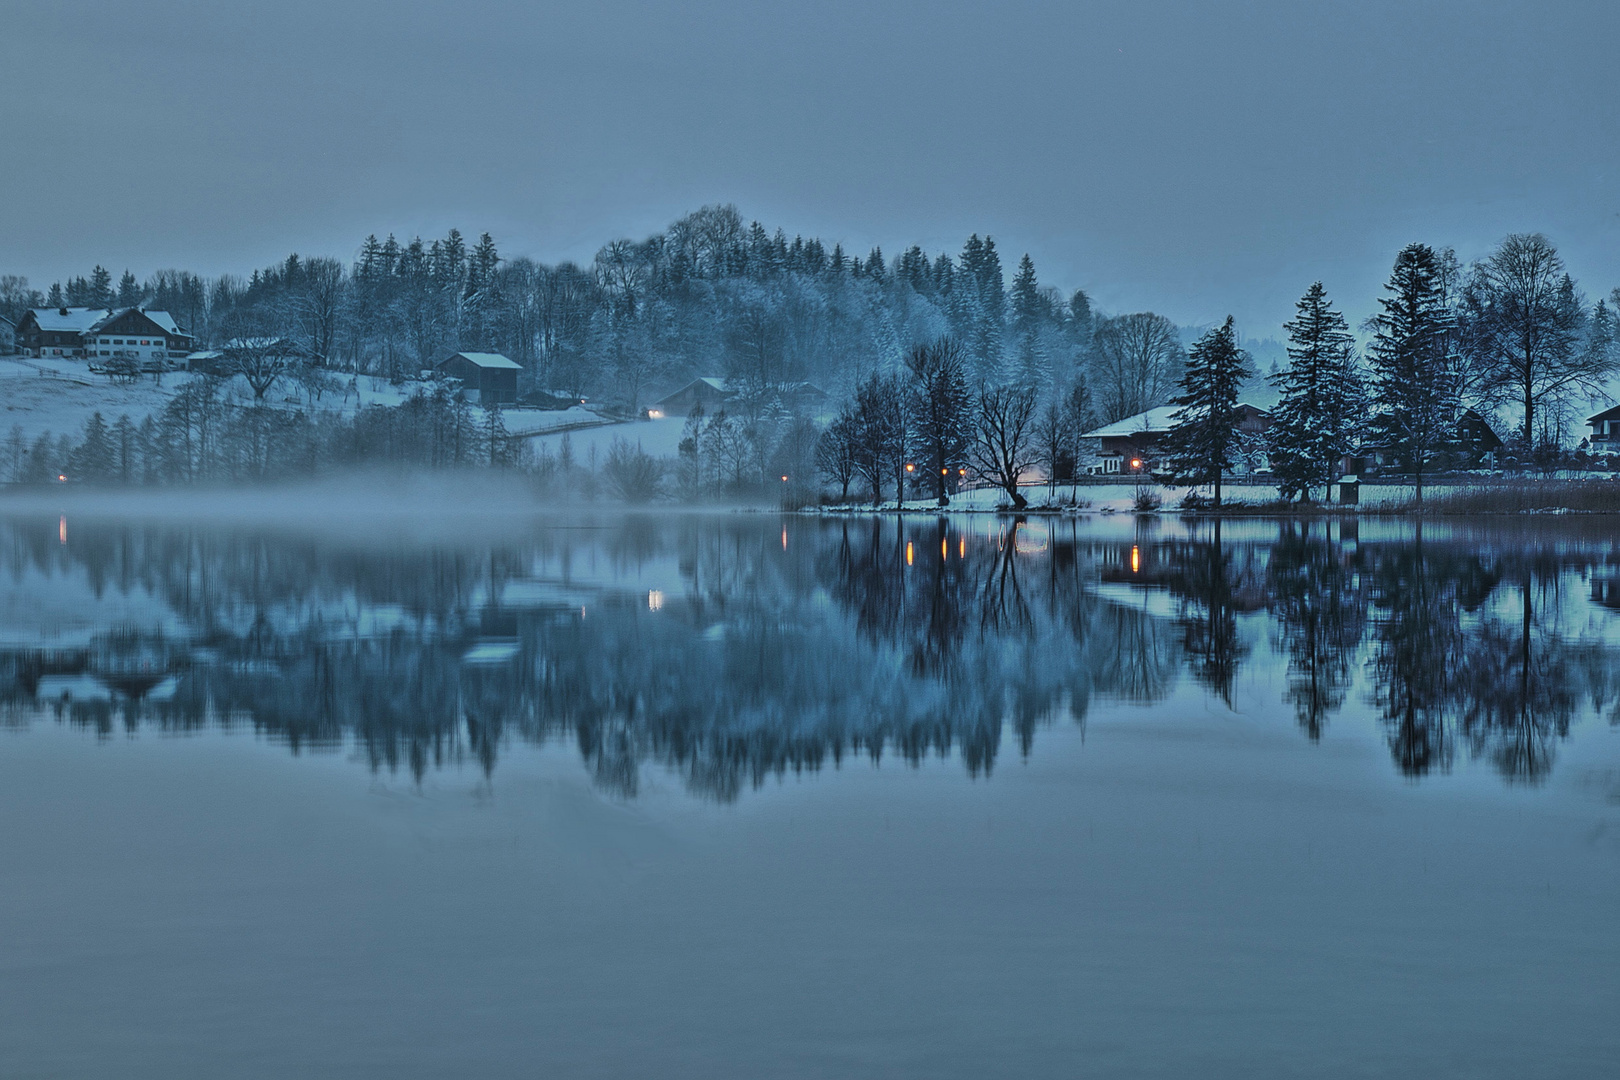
{"type": "Point", "coordinates": [1028, 309]}
{"type": "Point", "coordinates": [92, 460]}
{"type": "Point", "coordinates": [874, 266]}
{"type": "Point", "coordinates": [1319, 410]}
{"type": "Point", "coordinates": [126, 465]}
{"type": "Point", "coordinates": [1412, 370]}
{"type": "Point", "coordinates": [129, 291]}
{"type": "Point", "coordinates": [1206, 430]}
{"type": "Point", "coordinates": [54, 298]}
{"type": "Point", "coordinates": [100, 292]}
{"type": "Point", "coordinates": [495, 435]}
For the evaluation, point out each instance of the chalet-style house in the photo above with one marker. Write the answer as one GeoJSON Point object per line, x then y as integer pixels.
{"type": "Point", "coordinates": [1605, 437]}
{"type": "Point", "coordinates": [152, 337]}
{"type": "Point", "coordinates": [1136, 444]}
{"type": "Point", "coordinates": [711, 393]}
{"type": "Point", "coordinates": [797, 397]}
{"type": "Point", "coordinates": [1475, 446]}
{"type": "Point", "coordinates": [486, 378]}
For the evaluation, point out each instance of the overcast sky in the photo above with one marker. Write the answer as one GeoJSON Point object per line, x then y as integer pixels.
{"type": "Point", "coordinates": [1191, 158]}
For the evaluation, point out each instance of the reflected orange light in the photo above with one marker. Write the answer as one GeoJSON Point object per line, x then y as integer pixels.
{"type": "Point", "coordinates": [944, 549]}
{"type": "Point", "coordinates": [784, 538]}
{"type": "Point", "coordinates": [1136, 559]}
{"type": "Point", "coordinates": [909, 553]}
{"type": "Point", "coordinates": [61, 529]}
{"type": "Point", "coordinates": [961, 548]}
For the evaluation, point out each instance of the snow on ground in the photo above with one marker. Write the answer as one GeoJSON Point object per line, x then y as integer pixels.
{"type": "Point", "coordinates": [59, 396]}
{"type": "Point", "coordinates": [660, 438]}
{"type": "Point", "coordinates": [533, 421]}
{"type": "Point", "coordinates": [1121, 498]}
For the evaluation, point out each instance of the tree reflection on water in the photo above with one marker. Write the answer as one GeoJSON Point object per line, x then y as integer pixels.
{"type": "Point", "coordinates": [757, 650]}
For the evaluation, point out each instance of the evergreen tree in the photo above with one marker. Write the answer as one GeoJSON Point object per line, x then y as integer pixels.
{"type": "Point", "coordinates": [1412, 370]}
{"type": "Point", "coordinates": [100, 293]}
{"type": "Point", "coordinates": [1206, 433]}
{"type": "Point", "coordinates": [1028, 310]}
{"type": "Point", "coordinates": [126, 462]}
{"type": "Point", "coordinates": [1319, 411]}
{"type": "Point", "coordinates": [495, 437]}
{"type": "Point", "coordinates": [55, 298]}
{"type": "Point", "coordinates": [92, 461]}
{"type": "Point", "coordinates": [129, 291]}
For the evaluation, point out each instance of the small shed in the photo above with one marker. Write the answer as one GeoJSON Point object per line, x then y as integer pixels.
{"type": "Point", "coordinates": [486, 378]}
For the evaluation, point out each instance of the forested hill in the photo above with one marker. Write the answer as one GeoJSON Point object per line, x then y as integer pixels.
{"type": "Point", "coordinates": [710, 296]}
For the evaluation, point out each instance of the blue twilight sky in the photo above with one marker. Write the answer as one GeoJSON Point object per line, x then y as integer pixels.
{"type": "Point", "coordinates": [1193, 158]}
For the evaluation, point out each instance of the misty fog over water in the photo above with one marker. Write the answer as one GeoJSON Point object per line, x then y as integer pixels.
{"type": "Point", "coordinates": [746, 794]}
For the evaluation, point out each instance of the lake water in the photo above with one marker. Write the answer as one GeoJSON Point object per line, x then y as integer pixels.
{"type": "Point", "coordinates": [739, 796]}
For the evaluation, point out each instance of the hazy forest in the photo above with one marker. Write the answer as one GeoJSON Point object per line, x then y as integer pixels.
{"type": "Point", "coordinates": [931, 360]}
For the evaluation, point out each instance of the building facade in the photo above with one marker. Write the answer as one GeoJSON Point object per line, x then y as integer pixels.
{"type": "Point", "coordinates": [486, 378]}
{"type": "Point", "coordinates": [151, 337]}
{"type": "Point", "coordinates": [1135, 445]}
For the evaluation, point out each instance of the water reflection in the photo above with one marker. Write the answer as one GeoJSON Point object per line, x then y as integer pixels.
{"type": "Point", "coordinates": [734, 649]}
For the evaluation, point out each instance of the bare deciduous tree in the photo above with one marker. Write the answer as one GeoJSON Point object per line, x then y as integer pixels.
{"type": "Point", "coordinates": [1004, 438]}
{"type": "Point", "coordinates": [1522, 324]}
{"type": "Point", "coordinates": [1135, 363]}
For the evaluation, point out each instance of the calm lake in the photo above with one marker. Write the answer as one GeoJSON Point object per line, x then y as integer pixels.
{"type": "Point", "coordinates": [746, 796]}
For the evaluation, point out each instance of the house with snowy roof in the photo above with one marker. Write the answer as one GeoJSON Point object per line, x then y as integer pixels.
{"type": "Point", "coordinates": [710, 392]}
{"type": "Point", "coordinates": [1136, 443]}
{"type": "Point", "coordinates": [152, 337]}
{"type": "Point", "coordinates": [486, 378]}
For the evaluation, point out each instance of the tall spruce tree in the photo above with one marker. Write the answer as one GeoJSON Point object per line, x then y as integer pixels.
{"type": "Point", "coordinates": [129, 291]}
{"type": "Point", "coordinates": [93, 460]}
{"type": "Point", "coordinates": [1412, 369]}
{"type": "Point", "coordinates": [100, 293]}
{"type": "Point", "coordinates": [1206, 429]}
{"type": "Point", "coordinates": [1028, 310]}
{"type": "Point", "coordinates": [1314, 422]}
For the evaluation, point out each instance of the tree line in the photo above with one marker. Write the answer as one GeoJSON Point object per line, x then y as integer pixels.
{"type": "Point", "coordinates": [946, 372]}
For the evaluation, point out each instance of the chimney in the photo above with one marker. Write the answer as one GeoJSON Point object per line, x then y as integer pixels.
{"type": "Point", "coordinates": [61, 311]}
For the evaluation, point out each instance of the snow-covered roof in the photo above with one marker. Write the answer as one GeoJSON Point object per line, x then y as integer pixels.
{"type": "Point", "coordinates": [489, 360]}
{"type": "Point", "coordinates": [77, 320]}
{"type": "Point", "coordinates": [248, 344]}
{"type": "Point", "coordinates": [717, 383]}
{"type": "Point", "coordinates": [1154, 421]}
{"type": "Point", "coordinates": [162, 318]}
{"type": "Point", "coordinates": [165, 320]}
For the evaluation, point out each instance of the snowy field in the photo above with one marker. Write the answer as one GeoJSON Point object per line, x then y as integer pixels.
{"type": "Point", "coordinates": [59, 396]}
{"type": "Point", "coordinates": [660, 438]}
